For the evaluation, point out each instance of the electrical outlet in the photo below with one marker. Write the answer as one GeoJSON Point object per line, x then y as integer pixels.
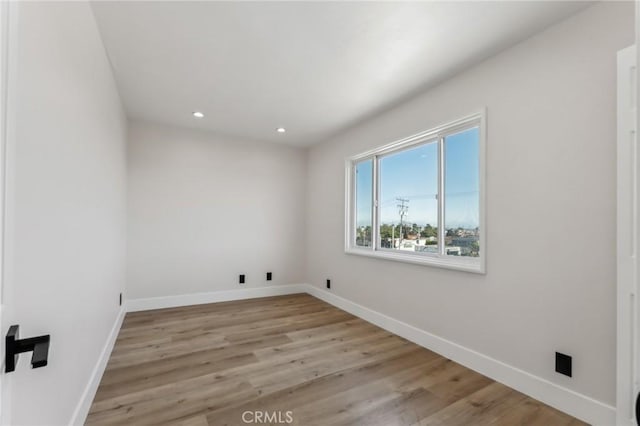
{"type": "Point", "coordinates": [242, 279]}
{"type": "Point", "coordinates": [269, 276]}
{"type": "Point", "coordinates": [328, 283]}
{"type": "Point", "coordinates": [563, 364]}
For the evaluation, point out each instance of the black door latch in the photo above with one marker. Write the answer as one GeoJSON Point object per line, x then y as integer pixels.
{"type": "Point", "coordinates": [15, 346]}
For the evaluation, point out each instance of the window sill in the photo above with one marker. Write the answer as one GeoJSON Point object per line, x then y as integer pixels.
{"type": "Point", "coordinates": [474, 265]}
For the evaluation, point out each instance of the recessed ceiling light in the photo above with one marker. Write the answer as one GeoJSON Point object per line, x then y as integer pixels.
{"type": "Point", "coordinates": [198, 114]}
{"type": "Point", "coordinates": [281, 130]}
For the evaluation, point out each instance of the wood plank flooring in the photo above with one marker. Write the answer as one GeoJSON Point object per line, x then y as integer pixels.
{"type": "Point", "coordinates": [294, 358]}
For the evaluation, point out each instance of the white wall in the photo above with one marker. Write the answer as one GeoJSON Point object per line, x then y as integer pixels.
{"type": "Point", "coordinates": [204, 209]}
{"type": "Point", "coordinates": [550, 282]}
{"type": "Point", "coordinates": [67, 195]}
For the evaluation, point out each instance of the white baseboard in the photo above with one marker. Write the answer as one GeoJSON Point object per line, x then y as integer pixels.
{"type": "Point", "coordinates": [134, 305]}
{"type": "Point", "coordinates": [561, 398]}
{"type": "Point", "coordinates": [82, 409]}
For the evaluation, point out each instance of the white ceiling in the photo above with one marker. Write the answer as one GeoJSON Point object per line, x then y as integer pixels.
{"type": "Point", "coordinates": [312, 67]}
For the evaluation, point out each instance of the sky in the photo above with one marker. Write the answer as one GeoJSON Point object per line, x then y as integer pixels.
{"type": "Point", "coordinates": [413, 174]}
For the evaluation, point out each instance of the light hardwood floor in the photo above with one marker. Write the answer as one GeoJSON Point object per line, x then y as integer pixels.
{"type": "Point", "coordinates": [208, 364]}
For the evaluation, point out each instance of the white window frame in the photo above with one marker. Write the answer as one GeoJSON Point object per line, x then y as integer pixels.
{"type": "Point", "coordinates": [438, 135]}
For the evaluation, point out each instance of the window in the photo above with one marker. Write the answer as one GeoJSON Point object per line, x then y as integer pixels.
{"type": "Point", "coordinates": [420, 199]}
{"type": "Point", "coordinates": [364, 197]}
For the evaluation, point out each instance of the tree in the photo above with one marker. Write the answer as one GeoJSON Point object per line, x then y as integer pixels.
{"type": "Point", "coordinates": [475, 249]}
{"type": "Point", "coordinates": [385, 231]}
{"type": "Point", "coordinates": [363, 236]}
{"type": "Point", "coordinates": [429, 231]}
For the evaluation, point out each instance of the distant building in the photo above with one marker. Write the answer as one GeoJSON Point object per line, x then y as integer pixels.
{"type": "Point", "coordinates": [464, 241]}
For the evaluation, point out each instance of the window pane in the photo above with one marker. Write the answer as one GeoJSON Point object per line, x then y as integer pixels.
{"type": "Point", "coordinates": [364, 202]}
{"type": "Point", "coordinates": [462, 193]}
{"type": "Point", "coordinates": [408, 199]}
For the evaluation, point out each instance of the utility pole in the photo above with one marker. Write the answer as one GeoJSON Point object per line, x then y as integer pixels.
{"type": "Point", "coordinates": [393, 235]}
{"type": "Point", "coordinates": [403, 208]}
